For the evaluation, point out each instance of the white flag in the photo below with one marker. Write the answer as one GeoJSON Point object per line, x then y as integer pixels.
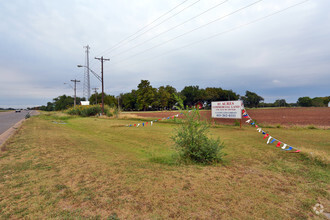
{"type": "Point", "coordinates": [259, 129]}
{"type": "Point", "coordinates": [248, 121]}
{"type": "Point", "coordinates": [284, 146]}
{"type": "Point", "coordinates": [138, 125]}
{"type": "Point", "coordinates": [151, 122]}
{"type": "Point", "coordinates": [270, 137]}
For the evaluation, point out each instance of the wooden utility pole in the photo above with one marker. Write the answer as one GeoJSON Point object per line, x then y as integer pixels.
{"type": "Point", "coordinates": [95, 92]}
{"type": "Point", "coordinates": [102, 60]}
{"type": "Point", "coordinates": [75, 89]}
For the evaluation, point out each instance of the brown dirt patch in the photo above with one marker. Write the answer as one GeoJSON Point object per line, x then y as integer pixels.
{"type": "Point", "coordinates": [282, 116]}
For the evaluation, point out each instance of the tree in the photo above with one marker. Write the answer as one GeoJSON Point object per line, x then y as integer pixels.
{"type": "Point", "coordinates": [145, 95]}
{"type": "Point", "coordinates": [304, 101]}
{"type": "Point", "coordinates": [63, 102]}
{"type": "Point", "coordinates": [108, 99]}
{"type": "Point", "coordinates": [164, 97]}
{"type": "Point", "coordinates": [251, 99]}
{"type": "Point", "coordinates": [191, 94]}
{"type": "Point", "coordinates": [280, 102]}
{"type": "Point", "coordinates": [172, 100]}
{"type": "Point", "coordinates": [318, 102]}
{"type": "Point", "coordinates": [128, 101]}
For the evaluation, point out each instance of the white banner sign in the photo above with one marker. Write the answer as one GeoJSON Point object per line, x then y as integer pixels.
{"type": "Point", "coordinates": [227, 109]}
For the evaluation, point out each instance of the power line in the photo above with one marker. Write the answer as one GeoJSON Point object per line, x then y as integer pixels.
{"type": "Point", "coordinates": [172, 28]}
{"type": "Point", "coordinates": [229, 30]}
{"type": "Point", "coordinates": [162, 22]}
{"type": "Point", "coordinates": [119, 43]}
{"type": "Point", "coordinates": [188, 32]}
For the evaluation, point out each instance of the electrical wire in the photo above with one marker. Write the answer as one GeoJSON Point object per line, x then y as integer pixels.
{"type": "Point", "coordinates": [227, 31]}
{"type": "Point", "coordinates": [119, 43]}
{"type": "Point", "coordinates": [172, 28]}
{"type": "Point", "coordinates": [188, 32]}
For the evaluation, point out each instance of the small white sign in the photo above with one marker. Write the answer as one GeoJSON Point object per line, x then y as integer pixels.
{"type": "Point", "coordinates": [227, 109]}
{"type": "Point", "coordinates": [84, 102]}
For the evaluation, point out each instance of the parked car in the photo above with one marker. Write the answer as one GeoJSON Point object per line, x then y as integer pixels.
{"type": "Point", "coordinates": [18, 110]}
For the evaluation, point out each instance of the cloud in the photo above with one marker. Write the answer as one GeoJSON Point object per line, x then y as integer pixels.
{"type": "Point", "coordinates": [278, 56]}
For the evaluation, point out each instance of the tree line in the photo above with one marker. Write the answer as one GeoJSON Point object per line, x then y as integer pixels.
{"type": "Point", "coordinates": [146, 97]}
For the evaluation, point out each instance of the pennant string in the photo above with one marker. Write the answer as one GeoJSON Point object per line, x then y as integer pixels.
{"type": "Point", "coordinates": [271, 139]}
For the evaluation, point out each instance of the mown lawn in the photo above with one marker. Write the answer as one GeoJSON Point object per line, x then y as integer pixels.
{"type": "Point", "coordinates": [98, 169]}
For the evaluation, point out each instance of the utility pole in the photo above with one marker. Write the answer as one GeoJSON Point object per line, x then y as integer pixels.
{"type": "Point", "coordinates": [102, 60]}
{"type": "Point", "coordinates": [87, 90]}
{"type": "Point", "coordinates": [95, 92]}
{"type": "Point", "coordinates": [75, 88]}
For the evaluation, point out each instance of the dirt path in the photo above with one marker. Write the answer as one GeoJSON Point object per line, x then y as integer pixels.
{"type": "Point", "coordinates": [274, 116]}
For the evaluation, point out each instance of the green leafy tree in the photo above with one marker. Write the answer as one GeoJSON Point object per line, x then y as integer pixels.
{"type": "Point", "coordinates": [280, 102]}
{"type": "Point", "coordinates": [146, 95]}
{"type": "Point", "coordinates": [191, 94]}
{"type": "Point", "coordinates": [318, 102]}
{"type": "Point", "coordinates": [164, 97]}
{"type": "Point", "coordinates": [305, 101]}
{"type": "Point", "coordinates": [251, 99]}
{"type": "Point", "coordinates": [63, 102]}
{"type": "Point", "coordinates": [128, 101]}
{"type": "Point", "coordinates": [109, 100]}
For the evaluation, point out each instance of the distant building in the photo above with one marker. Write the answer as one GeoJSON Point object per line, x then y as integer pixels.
{"type": "Point", "coordinates": [329, 104]}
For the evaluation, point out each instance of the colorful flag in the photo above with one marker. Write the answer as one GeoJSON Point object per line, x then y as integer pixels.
{"type": "Point", "coordinates": [248, 121]}
{"type": "Point", "coordinates": [290, 148]}
{"type": "Point", "coordinates": [151, 122]}
{"type": "Point", "coordinates": [266, 136]}
{"type": "Point", "coordinates": [138, 125]}
{"type": "Point", "coordinates": [270, 137]}
{"type": "Point", "coordinates": [143, 124]}
{"type": "Point", "coordinates": [278, 144]}
{"type": "Point", "coordinates": [284, 146]}
{"type": "Point", "coordinates": [259, 129]}
{"type": "Point", "coordinates": [134, 125]}
{"type": "Point", "coordinates": [273, 141]}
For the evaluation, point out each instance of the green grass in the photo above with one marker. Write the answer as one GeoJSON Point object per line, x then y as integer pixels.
{"type": "Point", "coordinates": [99, 169]}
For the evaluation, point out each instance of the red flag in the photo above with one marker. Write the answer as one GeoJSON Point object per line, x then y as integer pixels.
{"type": "Point", "coordinates": [172, 116]}
{"type": "Point", "coordinates": [159, 119]}
{"type": "Point", "coordinates": [134, 125]}
{"type": "Point", "coordinates": [243, 111]}
{"type": "Point", "coordinates": [278, 144]}
{"type": "Point", "coordinates": [297, 151]}
{"type": "Point", "coordinates": [266, 136]}
{"type": "Point", "coordinates": [146, 122]}
{"type": "Point", "coordinates": [257, 126]}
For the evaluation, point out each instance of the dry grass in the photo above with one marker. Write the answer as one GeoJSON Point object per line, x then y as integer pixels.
{"type": "Point", "coordinates": [94, 168]}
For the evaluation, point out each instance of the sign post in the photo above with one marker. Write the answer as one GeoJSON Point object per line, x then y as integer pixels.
{"type": "Point", "coordinates": [227, 109]}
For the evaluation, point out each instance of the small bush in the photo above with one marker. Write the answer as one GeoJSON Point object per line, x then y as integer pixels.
{"type": "Point", "coordinates": [311, 127]}
{"type": "Point", "coordinates": [91, 110]}
{"type": "Point", "coordinates": [192, 141]}
{"type": "Point", "coordinates": [85, 111]}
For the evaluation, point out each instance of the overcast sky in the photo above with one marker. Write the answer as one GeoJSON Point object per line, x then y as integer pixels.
{"type": "Point", "coordinates": [235, 44]}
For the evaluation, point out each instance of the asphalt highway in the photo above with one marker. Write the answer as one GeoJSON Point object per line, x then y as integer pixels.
{"type": "Point", "coordinates": [9, 119]}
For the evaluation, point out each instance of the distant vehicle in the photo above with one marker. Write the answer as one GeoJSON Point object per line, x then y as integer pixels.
{"type": "Point", "coordinates": [18, 110]}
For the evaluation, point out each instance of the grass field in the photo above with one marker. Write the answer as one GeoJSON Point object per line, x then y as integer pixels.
{"type": "Point", "coordinates": [98, 169]}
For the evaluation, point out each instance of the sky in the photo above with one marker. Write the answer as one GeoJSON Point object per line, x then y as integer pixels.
{"type": "Point", "coordinates": [279, 49]}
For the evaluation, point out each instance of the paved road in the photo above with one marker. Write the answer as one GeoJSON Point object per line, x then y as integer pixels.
{"type": "Point", "coordinates": [8, 119]}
